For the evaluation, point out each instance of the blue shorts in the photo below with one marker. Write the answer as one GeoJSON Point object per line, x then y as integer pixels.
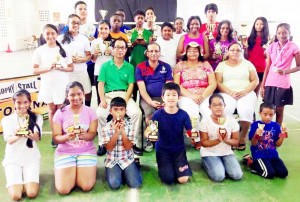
{"type": "Point", "coordinates": [172, 165]}
{"type": "Point", "coordinates": [84, 160]}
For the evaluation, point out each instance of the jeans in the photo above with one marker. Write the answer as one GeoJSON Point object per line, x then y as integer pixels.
{"type": "Point", "coordinates": [131, 174]}
{"type": "Point", "coordinates": [217, 166]}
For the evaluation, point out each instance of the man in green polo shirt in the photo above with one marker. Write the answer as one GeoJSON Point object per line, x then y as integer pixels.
{"type": "Point", "coordinates": [116, 79]}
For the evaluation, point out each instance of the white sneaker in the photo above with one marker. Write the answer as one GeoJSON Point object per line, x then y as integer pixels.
{"type": "Point", "coordinates": [148, 147]}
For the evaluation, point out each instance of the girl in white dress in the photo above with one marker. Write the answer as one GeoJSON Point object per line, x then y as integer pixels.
{"type": "Point", "coordinates": [21, 131]}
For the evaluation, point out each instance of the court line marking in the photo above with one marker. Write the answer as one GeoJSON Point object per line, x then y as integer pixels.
{"type": "Point", "coordinates": [292, 116]}
{"type": "Point", "coordinates": [133, 195]}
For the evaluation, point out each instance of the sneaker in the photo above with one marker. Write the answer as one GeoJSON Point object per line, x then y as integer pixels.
{"type": "Point", "coordinates": [53, 144]}
{"type": "Point", "coordinates": [247, 159]}
{"type": "Point", "coordinates": [148, 147]}
{"type": "Point", "coordinates": [137, 150]}
{"type": "Point", "coordinates": [101, 150]}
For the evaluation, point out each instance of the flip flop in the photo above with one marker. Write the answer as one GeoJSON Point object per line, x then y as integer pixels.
{"type": "Point", "coordinates": [241, 147]}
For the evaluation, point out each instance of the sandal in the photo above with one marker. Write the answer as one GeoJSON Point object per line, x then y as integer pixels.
{"type": "Point", "coordinates": [241, 147]}
{"type": "Point", "coordinates": [247, 159]}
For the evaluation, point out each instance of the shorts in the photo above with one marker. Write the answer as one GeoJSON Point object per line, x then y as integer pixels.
{"type": "Point", "coordinates": [149, 110]}
{"type": "Point", "coordinates": [66, 161]}
{"type": "Point", "coordinates": [278, 96]}
{"type": "Point", "coordinates": [56, 95]}
{"type": "Point", "coordinates": [83, 78]}
{"type": "Point", "coordinates": [173, 162]}
{"type": "Point", "coordinates": [260, 76]}
{"type": "Point", "coordinates": [16, 174]}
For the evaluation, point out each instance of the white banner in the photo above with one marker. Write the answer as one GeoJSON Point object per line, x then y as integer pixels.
{"type": "Point", "coordinates": [7, 89]}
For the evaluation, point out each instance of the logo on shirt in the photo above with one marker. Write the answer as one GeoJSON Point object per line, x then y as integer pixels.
{"type": "Point", "coordinates": [183, 168]}
{"type": "Point", "coordinates": [163, 70]}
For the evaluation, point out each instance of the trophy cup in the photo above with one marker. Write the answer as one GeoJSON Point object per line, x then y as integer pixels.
{"type": "Point", "coordinates": [23, 130]}
{"type": "Point", "coordinates": [194, 132]}
{"type": "Point", "coordinates": [218, 48]}
{"type": "Point", "coordinates": [154, 29]}
{"type": "Point", "coordinates": [118, 118]}
{"type": "Point", "coordinates": [243, 36]}
{"type": "Point", "coordinates": [76, 126]}
{"type": "Point", "coordinates": [98, 49]}
{"type": "Point", "coordinates": [153, 125]}
{"type": "Point", "coordinates": [57, 64]}
{"type": "Point", "coordinates": [210, 28]}
{"type": "Point", "coordinates": [103, 13]}
{"type": "Point", "coordinates": [107, 43]}
{"type": "Point", "coordinates": [129, 35]}
{"type": "Point", "coordinates": [222, 130]}
{"type": "Point", "coordinates": [140, 34]}
{"type": "Point", "coordinates": [284, 133]}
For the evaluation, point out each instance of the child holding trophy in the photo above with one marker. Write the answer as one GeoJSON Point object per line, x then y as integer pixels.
{"type": "Point", "coordinates": [266, 136]}
{"type": "Point", "coordinates": [75, 127]}
{"type": "Point", "coordinates": [100, 52]}
{"type": "Point", "coordinates": [218, 133]}
{"type": "Point", "coordinates": [171, 157]}
{"type": "Point", "coordinates": [119, 138]}
{"type": "Point", "coordinates": [22, 130]}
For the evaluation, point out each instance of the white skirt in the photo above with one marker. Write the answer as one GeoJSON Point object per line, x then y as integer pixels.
{"type": "Point", "coordinates": [83, 78]}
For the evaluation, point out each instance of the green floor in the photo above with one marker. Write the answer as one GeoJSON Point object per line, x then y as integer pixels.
{"type": "Point", "coordinates": [200, 188]}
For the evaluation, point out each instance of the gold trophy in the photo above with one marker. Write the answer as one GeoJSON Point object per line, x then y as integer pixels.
{"type": "Point", "coordinates": [194, 132]}
{"type": "Point", "coordinates": [118, 118]}
{"type": "Point", "coordinates": [103, 13]}
{"type": "Point", "coordinates": [75, 128]}
{"type": "Point", "coordinates": [107, 43]}
{"type": "Point", "coordinates": [210, 28]}
{"type": "Point", "coordinates": [129, 35]}
{"type": "Point", "coordinates": [140, 34]}
{"type": "Point", "coordinates": [23, 130]}
{"type": "Point", "coordinates": [152, 19]}
{"type": "Point", "coordinates": [243, 37]}
{"type": "Point", "coordinates": [153, 125]}
{"type": "Point", "coordinates": [218, 48]}
{"type": "Point", "coordinates": [222, 130]}
{"type": "Point", "coordinates": [284, 133]}
{"type": "Point", "coordinates": [57, 64]}
{"type": "Point", "coordinates": [98, 49]}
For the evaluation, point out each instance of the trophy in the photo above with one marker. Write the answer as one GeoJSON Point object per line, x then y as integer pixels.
{"type": "Point", "coordinates": [129, 35]}
{"type": "Point", "coordinates": [153, 125]}
{"type": "Point", "coordinates": [118, 118]}
{"type": "Point", "coordinates": [222, 130]}
{"type": "Point", "coordinates": [284, 133]}
{"type": "Point", "coordinates": [218, 48]}
{"type": "Point", "coordinates": [76, 126]}
{"type": "Point", "coordinates": [154, 29]}
{"type": "Point", "coordinates": [98, 49]}
{"type": "Point", "coordinates": [194, 132]}
{"type": "Point", "coordinates": [140, 34]}
{"type": "Point", "coordinates": [23, 130]}
{"type": "Point", "coordinates": [210, 28]}
{"type": "Point", "coordinates": [107, 43]}
{"type": "Point", "coordinates": [103, 13]}
{"type": "Point", "coordinates": [243, 37]}
{"type": "Point", "coordinates": [57, 64]}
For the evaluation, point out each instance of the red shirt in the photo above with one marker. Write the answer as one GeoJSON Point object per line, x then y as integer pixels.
{"type": "Point", "coordinates": [204, 30]}
{"type": "Point", "coordinates": [257, 57]}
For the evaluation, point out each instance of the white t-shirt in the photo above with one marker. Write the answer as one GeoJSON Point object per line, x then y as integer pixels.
{"type": "Point", "coordinates": [87, 30]}
{"type": "Point", "coordinates": [101, 58]}
{"type": "Point", "coordinates": [207, 125]}
{"type": "Point", "coordinates": [168, 51]}
{"type": "Point", "coordinates": [78, 46]}
{"type": "Point", "coordinates": [18, 152]}
{"type": "Point", "coordinates": [176, 37]}
{"type": "Point", "coordinates": [236, 78]}
{"type": "Point", "coordinates": [45, 56]}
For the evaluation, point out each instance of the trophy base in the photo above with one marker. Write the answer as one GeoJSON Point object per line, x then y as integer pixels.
{"type": "Point", "coordinates": [153, 137]}
{"type": "Point", "coordinates": [194, 134]}
{"type": "Point", "coordinates": [58, 66]}
{"type": "Point", "coordinates": [21, 133]}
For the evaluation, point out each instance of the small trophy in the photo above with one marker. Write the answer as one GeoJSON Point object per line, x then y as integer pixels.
{"type": "Point", "coordinates": [57, 64]}
{"type": "Point", "coordinates": [153, 125]}
{"type": "Point", "coordinates": [218, 48]}
{"type": "Point", "coordinates": [23, 130]}
{"type": "Point", "coordinates": [98, 49]}
{"type": "Point", "coordinates": [222, 130]}
{"type": "Point", "coordinates": [118, 118]}
{"type": "Point", "coordinates": [154, 29]}
{"type": "Point", "coordinates": [261, 126]}
{"type": "Point", "coordinates": [140, 34]}
{"type": "Point", "coordinates": [243, 31]}
{"type": "Point", "coordinates": [103, 13]}
{"type": "Point", "coordinates": [211, 29]}
{"type": "Point", "coordinates": [284, 133]}
{"type": "Point", "coordinates": [129, 35]}
{"type": "Point", "coordinates": [194, 132]}
{"type": "Point", "coordinates": [107, 43]}
{"type": "Point", "coordinates": [76, 126]}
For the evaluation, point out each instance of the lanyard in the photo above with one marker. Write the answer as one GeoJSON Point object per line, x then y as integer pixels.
{"type": "Point", "coordinates": [277, 57]}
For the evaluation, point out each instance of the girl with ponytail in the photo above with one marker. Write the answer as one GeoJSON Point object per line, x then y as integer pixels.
{"type": "Point", "coordinates": [52, 62]}
{"type": "Point", "coordinates": [22, 130]}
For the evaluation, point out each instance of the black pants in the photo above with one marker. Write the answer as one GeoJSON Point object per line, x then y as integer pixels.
{"type": "Point", "coordinates": [270, 168]}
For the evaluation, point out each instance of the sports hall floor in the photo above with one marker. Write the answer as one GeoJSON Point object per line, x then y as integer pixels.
{"type": "Point", "coordinates": [200, 187]}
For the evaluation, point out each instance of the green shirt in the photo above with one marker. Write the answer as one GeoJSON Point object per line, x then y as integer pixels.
{"type": "Point", "coordinates": [137, 54]}
{"type": "Point", "coordinates": [115, 78]}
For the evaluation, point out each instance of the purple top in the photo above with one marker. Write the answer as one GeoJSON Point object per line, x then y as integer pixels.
{"type": "Point", "coordinates": [65, 119]}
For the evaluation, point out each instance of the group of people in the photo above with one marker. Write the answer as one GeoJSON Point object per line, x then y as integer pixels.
{"type": "Point", "coordinates": [202, 74]}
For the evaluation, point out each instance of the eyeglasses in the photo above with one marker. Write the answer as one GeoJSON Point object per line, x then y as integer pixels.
{"type": "Point", "coordinates": [193, 51]}
{"type": "Point", "coordinates": [75, 23]}
{"type": "Point", "coordinates": [217, 105]}
{"type": "Point", "coordinates": [235, 50]}
{"type": "Point", "coordinates": [120, 47]}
